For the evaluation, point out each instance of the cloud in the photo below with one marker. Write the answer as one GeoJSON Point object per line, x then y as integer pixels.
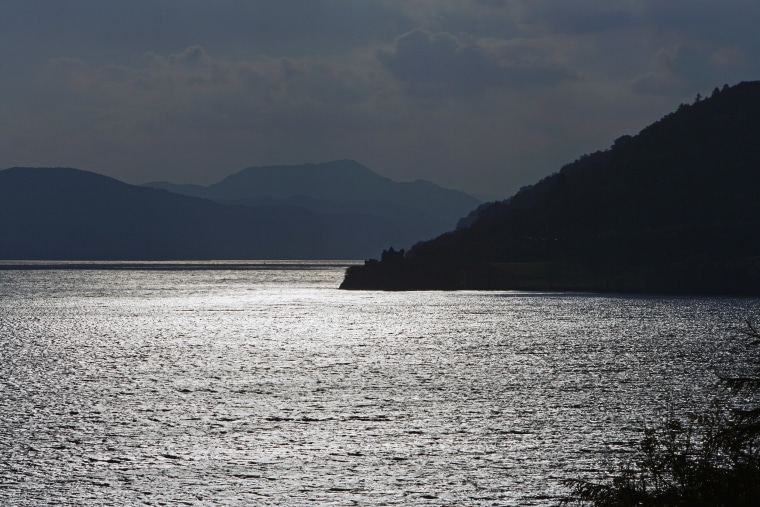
{"type": "Point", "coordinates": [456, 63]}
{"type": "Point", "coordinates": [286, 110]}
{"type": "Point", "coordinates": [193, 79]}
{"type": "Point", "coordinates": [413, 88]}
{"type": "Point", "coordinates": [194, 55]}
{"type": "Point", "coordinates": [101, 30]}
{"type": "Point", "coordinates": [445, 64]}
{"type": "Point", "coordinates": [689, 67]}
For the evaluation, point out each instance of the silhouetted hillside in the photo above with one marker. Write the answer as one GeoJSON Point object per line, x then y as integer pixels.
{"type": "Point", "coordinates": [72, 214]}
{"type": "Point", "coordinates": [675, 208]}
{"type": "Point", "coordinates": [421, 209]}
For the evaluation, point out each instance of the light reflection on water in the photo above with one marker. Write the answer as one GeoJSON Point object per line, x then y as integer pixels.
{"type": "Point", "coordinates": [271, 387]}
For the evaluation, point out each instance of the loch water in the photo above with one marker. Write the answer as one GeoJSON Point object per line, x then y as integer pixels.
{"type": "Point", "coordinates": [263, 384]}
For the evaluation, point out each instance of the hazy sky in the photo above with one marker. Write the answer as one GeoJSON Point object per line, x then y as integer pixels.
{"type": "Point", "coordinates": [481, 95]}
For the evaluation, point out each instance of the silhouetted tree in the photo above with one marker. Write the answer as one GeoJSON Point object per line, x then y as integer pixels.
{"type": "Point", "coordinates": [710, 460]}
{"type": "Point", "coordinates": [392, 256]}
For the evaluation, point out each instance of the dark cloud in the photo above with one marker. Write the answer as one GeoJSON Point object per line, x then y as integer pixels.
{"type": "Point", "coordinates": [193, 81]}
{"type": "Point", "coordinates": [102, 30]}
{"type": "Point", "coordinates": [712, 23]}
{"type": "Point", "coordinates": [477, 94]}
{"type": "Point", "coordinates": [457, 64]}
{"type": "Point", "coordinates": [434, 64]}
{"type": "Point", "coordinates": [580, 17]}
{"type": "Point", "coordinates": [685, 67]}
{"type": "Point", "coordinates": [194, 55]}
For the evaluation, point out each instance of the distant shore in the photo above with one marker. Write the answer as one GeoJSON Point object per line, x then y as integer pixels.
{"type": "Point", "coordinates": [205, 265]}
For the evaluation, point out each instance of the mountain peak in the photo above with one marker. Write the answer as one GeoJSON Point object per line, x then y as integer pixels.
{"type": "Point", "coordinates": [339, 184]}
{"type": "Point", "coordinates": [335, 165]}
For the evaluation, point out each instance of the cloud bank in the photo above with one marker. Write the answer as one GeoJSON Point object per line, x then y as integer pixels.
{"type": "Point", "coordinates": [483, 95]}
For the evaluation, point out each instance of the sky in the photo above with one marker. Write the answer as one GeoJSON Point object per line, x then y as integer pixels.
{"type": "Point", "coordinates": [480, 95]}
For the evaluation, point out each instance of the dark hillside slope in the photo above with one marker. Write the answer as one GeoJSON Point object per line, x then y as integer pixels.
{"type": "Point", "coordinates": [675, 208]}
{"type": "Point", "coordinates": [73, 214]}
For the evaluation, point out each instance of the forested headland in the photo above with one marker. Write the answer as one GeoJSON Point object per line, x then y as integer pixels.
{"type": "Point", "coordinates": [673, 209]}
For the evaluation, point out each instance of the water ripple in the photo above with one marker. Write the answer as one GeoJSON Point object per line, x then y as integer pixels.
{"type": "Point", "coordinates": [270, 387]}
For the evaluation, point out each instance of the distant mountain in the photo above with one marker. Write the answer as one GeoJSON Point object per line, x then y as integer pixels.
{"type": "Point", "coordinates": [673, 209]}
{"type": "Point", "coordinates": [63, 214]}
{"type": "Point", "coordinates": [420, 209]}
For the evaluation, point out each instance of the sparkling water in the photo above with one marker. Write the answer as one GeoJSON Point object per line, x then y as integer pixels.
{"type": "Point", "coordinates": [262, 384]}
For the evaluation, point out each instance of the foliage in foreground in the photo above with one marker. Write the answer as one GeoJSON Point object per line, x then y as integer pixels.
{"type": "Point", "coordinates": [708, 460]}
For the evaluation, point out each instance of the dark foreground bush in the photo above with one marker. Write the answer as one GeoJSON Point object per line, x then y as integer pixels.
{"type": "Point", "coordinates": [708, 460]}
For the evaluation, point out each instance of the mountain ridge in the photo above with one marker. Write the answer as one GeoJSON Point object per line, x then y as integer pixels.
{"type": "Point", "coordinates": [71, 214]}
{"type": "Point", "coordinates": [675, 209]}
{"type": "Point", "coordinates": [427, 208]}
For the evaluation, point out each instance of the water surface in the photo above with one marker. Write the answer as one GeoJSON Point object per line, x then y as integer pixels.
{"type": "Point", "coordinates": [265, 385]}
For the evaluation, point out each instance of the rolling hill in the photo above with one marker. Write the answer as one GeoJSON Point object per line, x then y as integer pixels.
{"type": "Point", "coordinates": [70, 214]}
{"type": "Point", "coordinates": [673, 209]}
{"type": "Point", "coordinates": [420, 209]}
